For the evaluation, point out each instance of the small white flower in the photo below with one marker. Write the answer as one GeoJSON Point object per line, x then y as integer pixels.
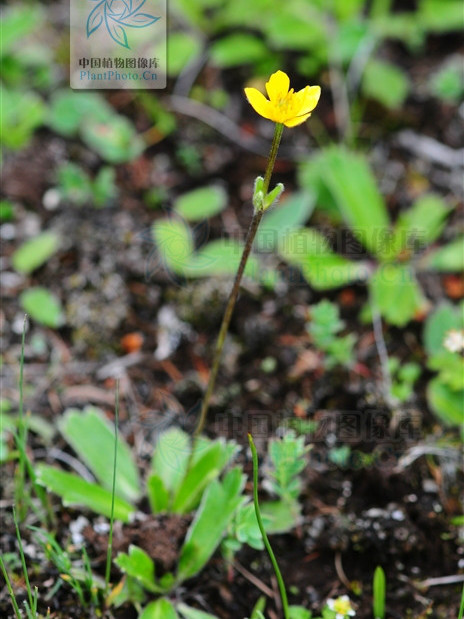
{"type": "Point", "coordinates": [342, 607]}
{"type": "Point", "coordinates": [454, 340]}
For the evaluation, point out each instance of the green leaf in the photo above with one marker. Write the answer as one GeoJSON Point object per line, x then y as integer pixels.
{"type": "Point", "coordinates": [291, 213]}
{"type": "Point", "coordinates": [161, 609]}
{"type": "Point", "coordinates": [448, 82]}
{"type": "Point", "coordinates": [446, 403]}
{"type": "Point", "coordinates": [379, 592]}
{"type": "Point", "coordinates": [104, 186]}
{"type": "Point", "coordinates": [92, 437]}
{"type": "Point", "coordinates": [209, 526]}
{"type": "Point", "coordinates": [170, 458]}
{"type": "Point", "coordinates": [197, 478]}
{"type": "Point", "coordinates": [188, 612]}
{"type": "Point", "coordinates": [298, 612]}
{"type": "Point", "coordinates": [237, 49]}
{"type": "Point", "coordinates": [447, 258]}
{"type": "Point", "coordinates": [22, 113]}
{"type": "Point", "coordinates": [174, 243]}
{"type": "Point", "coordinates": [17, 23]}
{"type": "Point", "coordinates": [201, 203]}
{"type": "Point", "coordinates": [349, 179]}
{"type": "Point", "coordinates": [386, 83]}
{"type": "Point", "coordinates": [280, 516]}
{"type": "Point", "coordinates": [183, 48]}
{"type": "Point", "coordinates": [75, 491]}
{"type": "Point", "coordinates": [157, 494]}
{"type": "Point", "coordinates": [220, 257]}
{"type": "Point", "coordinates": [138, 565]}
{"type": "Point", "coordinates": [74, 183]}
{"type": "Point", "coordinates": [396, 293]}
{"type": "Point", "coordinates": [33, 253]}
{"type": "Point", "coordinates": [42, 306]}
{"type": "Point", "coordinates": [422, 223]}
{"type": "Point", "coordinates": [440, 15]}
{"type": "Point", "coordinates": [114, 139]}
{"type": "Point", "coordinates": [69, 109]}
{"type": "Point", "coordinates": [308, 250]}
{"type": "Point", "coordinates": [6, 211]}
{"type": "Point", "coordinates": [444, 318]}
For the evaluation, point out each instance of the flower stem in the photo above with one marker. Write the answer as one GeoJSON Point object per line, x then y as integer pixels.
{"type": "Point", "coordinates": [257, 216]}
{"type": "Point", "coordinates": [270, 552]}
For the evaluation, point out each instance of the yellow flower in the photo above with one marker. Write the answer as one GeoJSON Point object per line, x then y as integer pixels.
{"type": "Point", "coordinates": [284, 106]}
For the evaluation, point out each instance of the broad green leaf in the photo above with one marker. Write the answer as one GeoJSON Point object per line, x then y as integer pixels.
{"type": "Point", "coordinates": [75, 491]}
{"type": "Point", "coordinates": [22, 113]}
{"type": "Point", "coordinates": [447, 258]}
{"type": "Point", "coordinates": [421, 224]}
{"type": "Point", "coordinates": [444, 318]}
{"type": "Point", "coordinates": [69, 109]}
{"type": "Point", "coordinates": [349, 179]}
{"type": "Point", "coordinates": [298, 612]}
{"type": "Point", "coordinates": [138, 565]}
{"type": "Point", "coordinates": [92, 437]}
{"type": "Point", "coordinates": [74, 183]}
{"type": "Point", "coordinates": [201, 203]}
{"type": "Point", "coordinates": [18, 22]}
{"type": "Point", "coordinates": [448, 82]}
{"type": "Point", "coordinates": [299, 27]}
{"type": "Point", "coordinates": [445, 402]}
{"type": "Point", "coordinates": [287, 215]}
{"type": "Point", "coordinates": [440, 15]}
{"type": "Point", "coordinates": [237, 49]}
{"type": "Point", "coordinates": [188, 612]}
{"type": "Point", "coordinates": [209, 526]}
{"type": "Point", "coordinates": [396, 293]}
{"type": "Point", "coordinates": [161, 609]}
{"type": "Point", "coordinates": [183, 48]}
{"type": "Point", "coordinates": [42, 306]}
{"type": "Point", "coordinates": [170, 458]}
{"type": "Point", "coordinates": [33, 253]}
{"type": "Point", "coordinates": [220, 257]}
{"type": "Point", "coordinates": [386, 83]}
{"type": "Point", "coordinates": [114, 139]}
{"type": "Point", "coordinates": [157, 494]}
{"type": "Point", "coordinates": [198, 477]}
{"type": "Point", "coordinates": [174, 244]}
{"type": "Point", "coordinates": [323, 269]}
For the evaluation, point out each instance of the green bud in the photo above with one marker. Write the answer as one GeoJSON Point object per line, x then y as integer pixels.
{"type": "Point", "coordinates": [273, 196]}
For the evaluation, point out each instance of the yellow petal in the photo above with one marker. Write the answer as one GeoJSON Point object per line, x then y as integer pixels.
{"type": "Point", "coordinates": [259, 102]}
{"type": "Point", "coordinates": [297, 120]}
{"type": "Point", "coordinates": [308, 98]}
{"type": "Point", "coordinates": [278, 85]}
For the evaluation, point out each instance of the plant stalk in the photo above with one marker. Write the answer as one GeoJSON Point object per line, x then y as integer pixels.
{"type": "Point", "coordinates": [270, 552]}
{"type": "Point", "coordinates": [252, 230]}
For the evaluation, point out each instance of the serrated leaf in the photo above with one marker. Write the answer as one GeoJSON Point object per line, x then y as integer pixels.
{"type": "Point", "coordinates": [33, 253]}
{"type": "Point", "coordinates": [75, 491]}
{"type": "Point", "coordinates": [201, 203]}
{"type": "Point", "coordinates": [42, 306]}
{"type": "Point", "coordinates": [92, 437]}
